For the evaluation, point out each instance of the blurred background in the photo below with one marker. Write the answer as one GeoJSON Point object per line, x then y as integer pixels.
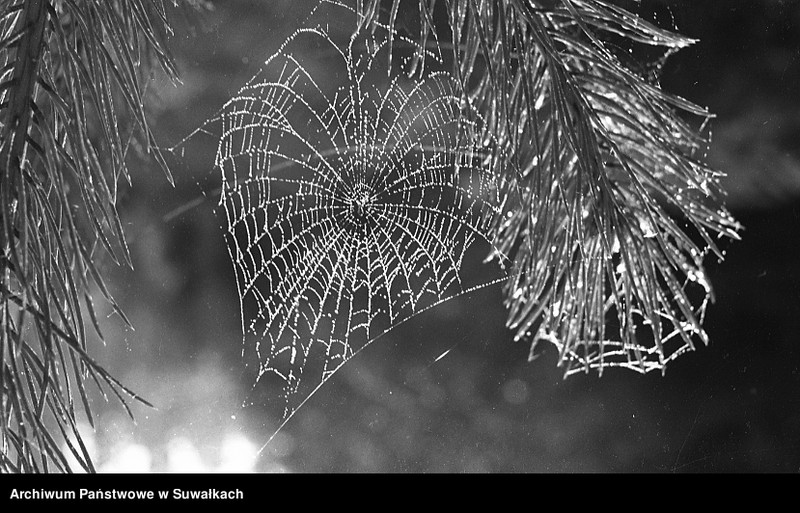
{"type": "Point", "coordinates": [729, 407]}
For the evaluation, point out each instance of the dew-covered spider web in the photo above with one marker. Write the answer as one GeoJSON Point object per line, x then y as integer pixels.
{"type": "Point", "coordinates": [359, 176]}
{"type": "Point", "coordinates": [352, 198]}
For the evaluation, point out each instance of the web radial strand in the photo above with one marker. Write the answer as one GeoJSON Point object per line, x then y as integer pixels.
{"type": "Point", "coordinates": [350, 206]}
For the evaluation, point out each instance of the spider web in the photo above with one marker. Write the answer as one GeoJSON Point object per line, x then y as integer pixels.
{"type": "Point", "coordinates": [350, 208]}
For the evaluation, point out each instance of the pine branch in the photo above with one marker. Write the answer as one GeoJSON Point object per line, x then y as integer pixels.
{"type": "Point", "coordinates": [71, 101]}
{"type": "Point", "coordinates": [610, 210]}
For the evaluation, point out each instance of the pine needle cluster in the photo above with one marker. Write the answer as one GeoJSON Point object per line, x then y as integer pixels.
{"type": "Point", "coordinates": [72, 75]}
{"type": "Point", "coordinates": [610, 209]}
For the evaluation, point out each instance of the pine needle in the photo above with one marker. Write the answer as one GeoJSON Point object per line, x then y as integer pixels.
{"type": "Point", "coordinates": [72, 80]}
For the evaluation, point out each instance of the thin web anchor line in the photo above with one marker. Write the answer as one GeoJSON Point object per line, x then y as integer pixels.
{"type": "Point", "coordinates": [330, 375]}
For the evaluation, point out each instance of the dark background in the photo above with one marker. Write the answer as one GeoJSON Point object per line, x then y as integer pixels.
{"type": "Point", "coordinates": [732, 406]}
